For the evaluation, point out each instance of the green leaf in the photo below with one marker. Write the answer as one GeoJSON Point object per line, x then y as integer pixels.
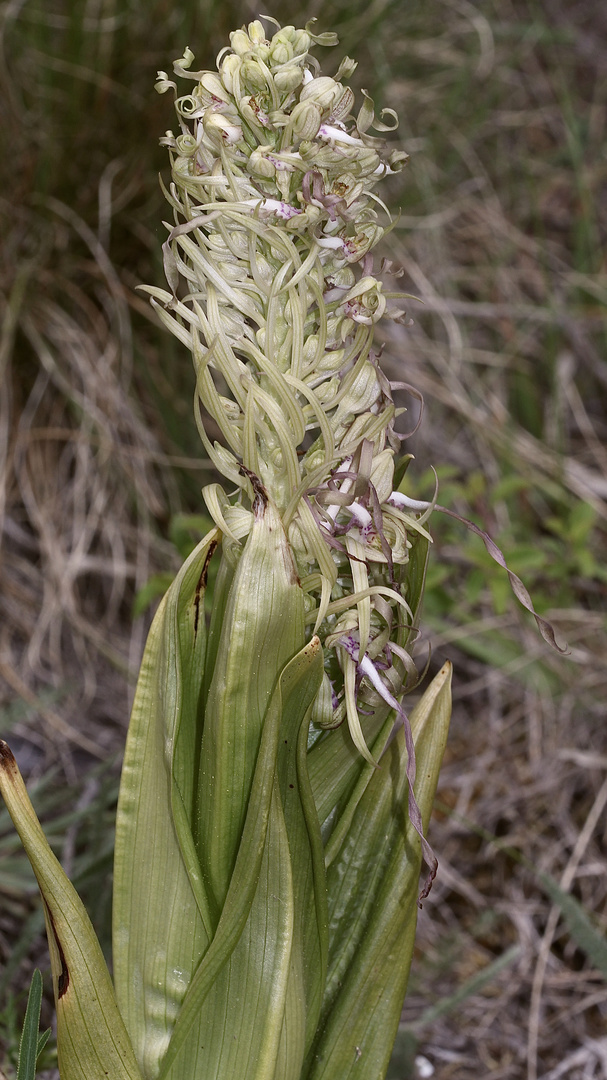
{"type": "Point", "coordinates": [415, 575]}
{"type": "Point", "coordinates": [262, 628]}
{"type": "Point", "coordinates": [231, 973]}
{"type": "Point", "coordinates": [335, 765]}
{"type": "Point", "coordinates": [373, 887]}
{"type": "Point", "coordinates": [28, 1046]}
{"type": "Point", "coordinates": [163, 920]}
{"type": "Point", "coordinates": [309, 947]}
{"type": "Point", "coordinates": [43, 1038]}
{"type": "Point", "coordinates": [205, 877]}
{"type": "Point", "coordinates": [92, 1042]}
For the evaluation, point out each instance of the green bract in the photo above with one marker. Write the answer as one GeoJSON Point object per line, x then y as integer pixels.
{"type": "Point", "coordinates": [274, 792]}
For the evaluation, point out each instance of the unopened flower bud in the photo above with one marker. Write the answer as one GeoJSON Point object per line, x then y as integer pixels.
{"type": "Point", "coordinates": [305, 120]}
{"type": "Point", "coordinates": [288, 78]}
{"type": "Point", "coordinates": [230, 66]}
{"type": "Point", "coordinates": [260, 164]}
{"type": "Point", "coordinates": [240, 42]}
{"type": "Point", "coordinates": [306, 219]}
{"type": "Point", "coordinates": [323, 91]}
{"type": "Point", "coordinates": [252, 76]}
{"type": "Point", "coordinates": [300, 40]}
{"type": "Point", "coordinates": [281, 52]}
{"type": "Point", "coordinates": [257, 33]}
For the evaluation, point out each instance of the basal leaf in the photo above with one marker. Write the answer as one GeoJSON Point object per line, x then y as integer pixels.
{"type": "Point", "coordinates": [222, 996]}
{"type": "Point", "coordinates": [373, 887]}
{"type": "Point", "coordinates": [162, 918]}
{"type": "Point", "coordinates": [262, 628]}
{"type": "Point", "coordinates": [92, 1042]}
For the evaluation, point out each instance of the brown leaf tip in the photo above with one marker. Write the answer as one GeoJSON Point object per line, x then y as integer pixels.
{"type": "Point", "coordinates": [7, 759]}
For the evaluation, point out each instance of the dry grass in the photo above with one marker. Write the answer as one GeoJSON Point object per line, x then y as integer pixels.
{"type": "Point", "coordinates": [509, 354]}
{"type": "Point", "coordinates": [501, 236]}
{"type": "Point", "coordinates": [80, 487]}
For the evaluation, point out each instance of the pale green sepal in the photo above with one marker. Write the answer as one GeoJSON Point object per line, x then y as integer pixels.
{"type": "Point", "coordinates": [162, 918]}
{"type": "Point", "coordinates": [189, 1050]}
{"type": "Point", "coordinates": [92, 1041]}
{"type": "Point", "coordinates": [373, 888]}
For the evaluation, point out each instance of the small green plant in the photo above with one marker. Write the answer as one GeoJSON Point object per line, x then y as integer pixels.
{"type": "Point", "coordinates": [31, 1041]}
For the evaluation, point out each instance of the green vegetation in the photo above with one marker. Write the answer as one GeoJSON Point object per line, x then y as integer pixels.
{"type": "Point", "coordinates": [502, 236]}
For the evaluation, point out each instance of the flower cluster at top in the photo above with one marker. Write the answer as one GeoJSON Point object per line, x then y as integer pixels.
{"type": "Point", "coordinates": [273, 289]}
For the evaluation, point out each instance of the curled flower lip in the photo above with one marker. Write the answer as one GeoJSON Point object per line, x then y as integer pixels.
{"type": "Point", "coordinates": [274, 206]}
{"type": "Point", "coordinates": [280, 164]}
{"type": "Point", "coordinates": [398, 499]}
{"type": "Point", "coordinates": [362, 518]}
{"type": "Point", "coordinates": [335, 134]}
{"type": "Point", "coordinates": [334, 242]}
{"type": "Point", "coordinates": [369, 669]}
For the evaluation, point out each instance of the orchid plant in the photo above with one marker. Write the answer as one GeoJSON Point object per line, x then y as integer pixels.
{"type": "Point", "coordinates": [275, 793]}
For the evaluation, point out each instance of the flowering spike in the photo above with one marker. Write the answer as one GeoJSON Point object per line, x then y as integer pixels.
{"type": "Point", "coordinates": [275, 222]}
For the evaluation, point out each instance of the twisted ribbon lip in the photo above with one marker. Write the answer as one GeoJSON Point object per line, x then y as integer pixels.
{"type": "Point", "coordinates": [365, 667]}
